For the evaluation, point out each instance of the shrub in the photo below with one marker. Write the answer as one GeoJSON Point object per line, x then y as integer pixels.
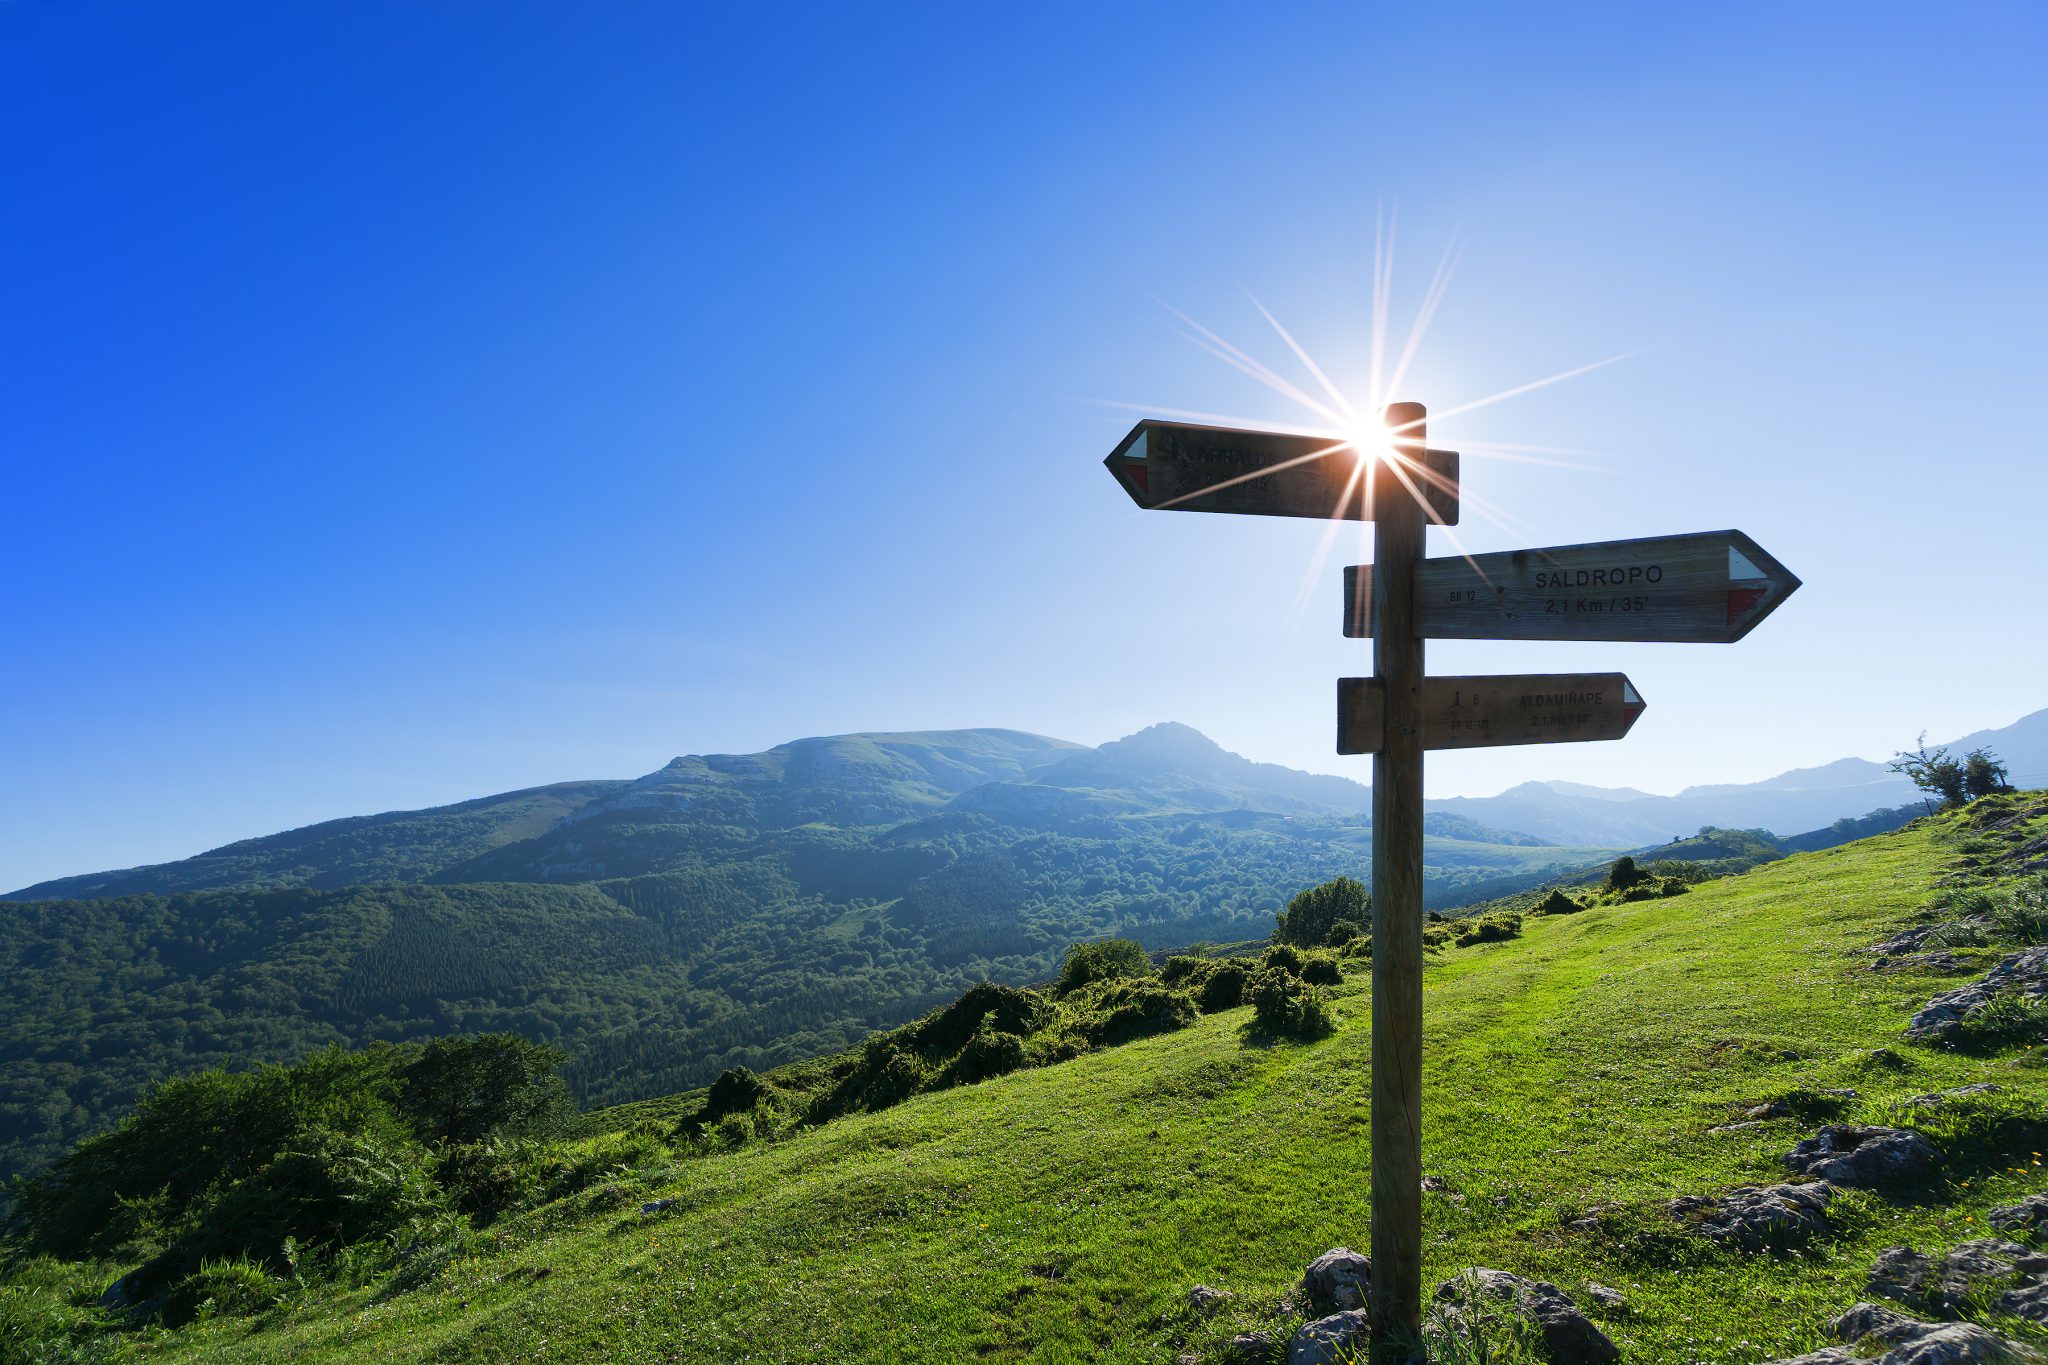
{"type": "Point", "coordinates": [226, 1287]}
{"type": "Point", "coordinates": [1329, 913]}
{"type": "Point", "coordinates": [1182, 967]}
{"type": "Point", "coordinates": [1321, 969]}
{"type": "Point", "coordinates": [1222, 988]}
{"type": "Point", "coordinates": [1102, 960]}
{"type": "Point", "coordinates": [1123, 1010]}
{"type": "Point", "coordinates": [984, 1007]}
{"type": "Point", "coordinates": [1489, 929]}
{"type": "Point", "coordinates": [987, 1054]}
{"type": "Point", "coordinates": [1285, 957]}
{"type": "Point", "coordinates": [1557, 903]}
{"type": "Point", "coordinates": [1285, 1004]}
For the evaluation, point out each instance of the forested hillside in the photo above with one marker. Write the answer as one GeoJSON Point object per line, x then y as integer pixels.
{"type": "Point", "coordinates": [1709, 1124]}
{"type": "Point", "coordinates": [723, 911]}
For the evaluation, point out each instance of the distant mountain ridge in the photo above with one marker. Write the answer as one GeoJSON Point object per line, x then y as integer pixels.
{"type": "Point", "coordinates": [579, 831]}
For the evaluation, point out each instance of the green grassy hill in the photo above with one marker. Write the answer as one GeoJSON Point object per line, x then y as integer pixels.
{"type": "Point", "coordinates": [1576, 1076]}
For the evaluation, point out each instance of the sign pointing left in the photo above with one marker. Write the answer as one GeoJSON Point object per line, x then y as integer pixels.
{"type": "Point", "coordinates": [1480, 712]}
{"type": "Point", "coordinates": [1179, 467]}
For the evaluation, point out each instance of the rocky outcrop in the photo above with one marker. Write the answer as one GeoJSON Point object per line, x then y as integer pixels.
{"type": "Point", "coordinates": [1338, 1338]}
{"type": "Point", "coordinates": [1756, 1216]}
{"type": "Point", "coordinates": [1337, 1280]}
{"type": "Point", "coordinates": [1864, 1158]}
{"type": "Point", "coordinates": [1569, 1336]}
{"type": "Point", "coordinates": [2025, 973]}
{"type": "Point", "coordinates": [1968, 1273]}
{"type": "Point", "coordinates": [2022, 1219]}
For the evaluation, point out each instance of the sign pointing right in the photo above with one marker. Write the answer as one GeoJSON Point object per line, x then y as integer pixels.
{"type": "Point", "coordinates": [1709, 588]}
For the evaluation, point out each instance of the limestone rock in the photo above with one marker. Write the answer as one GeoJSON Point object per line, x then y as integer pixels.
{"type": "Point", "coordinates": [2025, 972]}
{"type": "Point", "coordinates": [1338, 1279]}
{"type": "Point", "coordinates": [1862, 1157]}
{"type": "Point", "coordinates": [1611, 1299]}
{"type": "Point", "coordinates": [1914, 1342]}
{"type": "Point", "coordinates": [1250, 1348]}
{"type": "Point", "coordinates": [1327, 1341]}
{"type": "Point", "coordinates": [2029, 1301]}
{"type": "Point", "coordinates": [1569, 1336]}
{"type": "Point", "coordinates": [1752, 1217]}
{"type": "Point", "coordinates": [2022, 1218]}
{"type": "Point", "coordinates": [1205, 1300]}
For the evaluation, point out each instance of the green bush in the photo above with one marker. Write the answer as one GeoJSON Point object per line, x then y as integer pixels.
{"type": "Point", "coordinates": [1102, 960]}
{"type": "Point", "coordinates": [1284, 956]}
{"type": "Point", "coordinates": [1002, 1009]}
{"type": "Point", "coordinates": [1182, 967]}
{"type": "Point", "coordinates": [987, 1054]}
{"type": "Point", "coordinates": [1489, 929]}
{"type": "Point", "coordinates": [1557, 903]}
{"type": "Point", "coordinates": [1337, 910]}
{"type": "Point", "coordinates": [488, 1178]}
{"type": "Point", "coordinates": [1118, 1011]}
{"type": "Point", "coordinates": [231, 1287]}
{"type": "Point", "coordinates": [1222, 987]}
{"type": "Point", "coordinates": [1321, 969]}
{"type": "Point", "coordinates": [1283, 1003]}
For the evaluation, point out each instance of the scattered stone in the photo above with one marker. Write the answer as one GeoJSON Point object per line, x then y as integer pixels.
{"type": "Point", "coordinates": [2023, 1218]}
{"type": "Point", "coordinates": [1770, 1109]}
{"type": "Point", "coordinates": [1569, 1336]}
{"type": "Point", "coordinates": [1947, 1287]}
{"type": "Point", "coordinates": [121, 1293]}
{"type": "Point", "coordinates": [1205, 1300]}
{"type": "Point", "coordinates": [1338, 1279]}
{"type": "Point", "coordinates": [1250, 1348]}
{"type": "Point", "coordinates": [658, 1206]}
{"type": "Point", "coordinates": [1752, 1217]}
{"type": "Point", "coordinates": [1921, 1343]}
{"type": "Point", "coordinates": [2024, 972]}
{"type": "Point", "coordinates": [1747, 1125]}
{"type": "Point", "coordinates": [2029, 1301]}
{"type": "Point", "coordinates": [1905, 941]}
{"type": "Point", "coordinates": [1500, 1201]}
{"type": "Point", "coordinates": [1435, 1184]}
{"type": "Point", "coordinates": [1862, 1157]}
{"type": "Point", "coordinates": [1611, 1299]}
{"type": "Point", "coordinates": [1339, 1337]}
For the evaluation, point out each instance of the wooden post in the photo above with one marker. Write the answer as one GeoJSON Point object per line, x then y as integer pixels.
{"type": "Point", "coordinates": [1398, 541]}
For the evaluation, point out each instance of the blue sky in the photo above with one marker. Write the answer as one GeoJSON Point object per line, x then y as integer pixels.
{"type": "Point", "coordinates": [409, 401]}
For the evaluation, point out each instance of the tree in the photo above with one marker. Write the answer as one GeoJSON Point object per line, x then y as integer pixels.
{"type": "Point", "coordinates": [1339, 907]}
{"type": "Point", "coordinates": [1625, 874]}
{"type": "Point", "coordinates": [1983, 774]}
{"type": "Point", "coordinates": [466, 1089]}
{"type": "Point", "coordinates": [1935, 773]}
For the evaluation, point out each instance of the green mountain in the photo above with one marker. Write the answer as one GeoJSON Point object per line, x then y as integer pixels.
{"type": "Point", "coordinates": [1600, 1087]}
{"type": "Point", "coordinates": [726, 910]}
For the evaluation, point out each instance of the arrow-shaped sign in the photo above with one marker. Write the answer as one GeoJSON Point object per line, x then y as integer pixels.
{"type": "Point", "coordinates": [1173, 466]}
{"type": "Point", "coordinates": [1472, 713]}
{"type": "Point", "coordinates": [1708, 588]}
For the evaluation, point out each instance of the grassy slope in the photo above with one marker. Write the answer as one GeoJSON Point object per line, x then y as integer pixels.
{"type": "Point", "coordinates": [1062, 1214]}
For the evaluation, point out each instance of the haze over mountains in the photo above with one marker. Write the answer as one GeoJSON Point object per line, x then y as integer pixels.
{"type": "Point", "coordinates": [580, 831]}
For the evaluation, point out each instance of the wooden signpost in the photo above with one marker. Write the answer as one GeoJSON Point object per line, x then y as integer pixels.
{"type": "Point", "coordinates": [1710, 587]}
{"type": "Point", "coordinates": [1472, 713]}
{"type": "Point", "coordinates": [1173, 466]}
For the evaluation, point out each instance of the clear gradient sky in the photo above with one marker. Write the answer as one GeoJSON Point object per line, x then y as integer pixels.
{"type": "Point", "coordinates": [406, 401]}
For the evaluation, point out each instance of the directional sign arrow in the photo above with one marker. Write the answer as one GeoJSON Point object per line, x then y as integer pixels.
{"type": "Point", "coordinates": [1173, 466]}
{"type": "Point", "coordinates": [1709, 588]}
{"type": "Point", "coordinates": [1472, 713]}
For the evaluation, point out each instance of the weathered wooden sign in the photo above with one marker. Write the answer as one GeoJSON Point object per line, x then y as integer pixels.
{"type": "Point", "coordinates": [1174, 466]}
{"type": "Point", "coordinates": [1478, 712]}
{"type": "Point", "coordinates": [1708, 588]}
